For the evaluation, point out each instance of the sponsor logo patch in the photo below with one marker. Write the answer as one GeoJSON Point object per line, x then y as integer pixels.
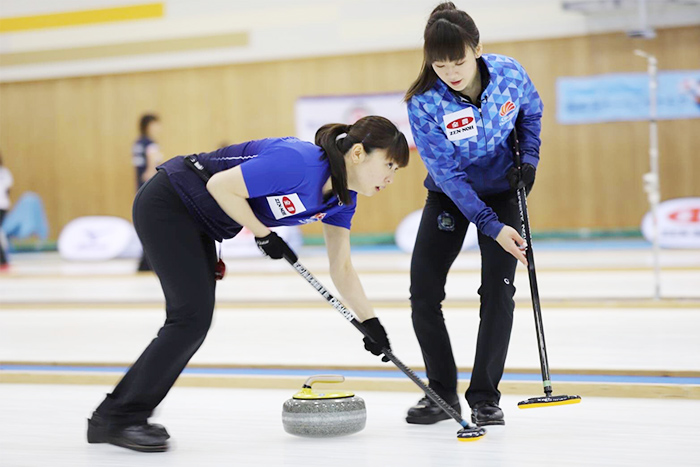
{"type": "Point", "coordinates": [285, 205]}
{"type": "Point", "coordinates": [288, 205]}
{"type": "Point", "coordinates": [460, 125]}
{"type": "Point", "coordinates": [506, 111]}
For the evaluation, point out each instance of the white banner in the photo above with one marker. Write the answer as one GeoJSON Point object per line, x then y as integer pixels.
{"type": "Point", "coordinates": [311, 113]}
{"type": "Point", "coordinates": [243, 245]}
{"type": "Point", "coordinates": [98, 238]}
{"type": "Point", "coordinates": [679, 223]}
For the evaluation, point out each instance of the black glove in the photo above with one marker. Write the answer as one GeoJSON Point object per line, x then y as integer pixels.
{"type": "Point", "coordinates": [379, 339]}
{"type": "Point", "coordinates": [276, 248]}
{"type": "Point", "coordinates": [525, 177]}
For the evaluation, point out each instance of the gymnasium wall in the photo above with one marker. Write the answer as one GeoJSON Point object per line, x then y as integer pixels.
{"type": "Point", "coordinates": [69, 139]}
{"type": "Point", "coordinates": [42, 39]}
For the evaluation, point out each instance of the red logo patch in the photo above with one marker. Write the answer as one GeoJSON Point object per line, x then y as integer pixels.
{"type": "Point", "coordinates": [288, 205]}
{"type": "Point", "coordinates": [507, 108]}
{"type": "Point", "coordinates": [460, 122]}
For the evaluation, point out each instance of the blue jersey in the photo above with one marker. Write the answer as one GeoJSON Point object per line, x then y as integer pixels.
{"type": "Point", "coordinates": [466, 148]}
{"type": "Point", "coordinates": [139, 159]}
{"type": "Point", "coordinates": [284, 177]}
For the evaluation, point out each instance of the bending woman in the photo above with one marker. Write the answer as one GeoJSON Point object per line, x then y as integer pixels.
{"type": "Point", "coordinates": [258, 185]}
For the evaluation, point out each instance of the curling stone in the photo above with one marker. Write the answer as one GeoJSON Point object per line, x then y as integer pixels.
{"type": "Point", "coordinates": [323, 415]}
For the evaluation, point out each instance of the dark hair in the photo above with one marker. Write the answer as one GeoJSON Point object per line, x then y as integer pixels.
{"type": "Point", "coordinates": [446, 34]}
{"type": "Point", "coordinates": [146, 120]}
{"type": "Point", "coordinates": [372, 132]}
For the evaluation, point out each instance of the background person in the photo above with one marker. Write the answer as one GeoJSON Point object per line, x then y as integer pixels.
{"type": "Point", "coordinates": [146, 156]}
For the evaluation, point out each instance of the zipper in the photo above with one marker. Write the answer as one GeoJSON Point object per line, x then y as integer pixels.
{"type": "Point", "coordinates": [481, 115]}
{"type": "Point", "coordinates": [484, 99]}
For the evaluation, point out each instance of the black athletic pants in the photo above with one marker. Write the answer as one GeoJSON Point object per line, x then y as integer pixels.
{"type": "Point", "coordinates": [3, 256]}
{"type": "Point", "coordinates": [184, 258]}
{"type": "Point", "coordinates": [143, 265]}
{"type": "Point", "coordinates": [435, 250]}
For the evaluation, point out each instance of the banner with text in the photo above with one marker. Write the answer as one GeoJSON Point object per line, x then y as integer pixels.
{"type": "Point", "coordinates": [625, 97]}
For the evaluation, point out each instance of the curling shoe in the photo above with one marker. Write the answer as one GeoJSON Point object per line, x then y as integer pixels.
{"type": "Point", "coordinates": [487, 413]}
{"type": "Point", "coordinates": [142, 437]}
{"type": "Point", "coordinates": [427, 412]}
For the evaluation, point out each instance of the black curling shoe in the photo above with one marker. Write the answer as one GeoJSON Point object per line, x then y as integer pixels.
{"type": "Point", "coordinates": [487, 413]}
{"type": "Point", "coordinates": [427, 412]}
{"type": "Point", "coordinates": [142, 437]}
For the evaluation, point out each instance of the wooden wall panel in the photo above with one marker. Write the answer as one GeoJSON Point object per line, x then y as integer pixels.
{"type": "Point", "coordinates": [591, 175]}
{"type": "Point", "coordinates": [70, 139]}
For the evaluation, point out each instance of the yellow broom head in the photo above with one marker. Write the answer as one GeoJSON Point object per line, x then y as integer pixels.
{"type": "Point", "coordinates": [471, 433]}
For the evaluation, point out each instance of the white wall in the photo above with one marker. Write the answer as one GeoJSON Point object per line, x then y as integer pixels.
{"type": "Point", "coordinates": [281, 29]}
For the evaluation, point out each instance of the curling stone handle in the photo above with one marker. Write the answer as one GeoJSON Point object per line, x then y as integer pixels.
{"type": "Point", "coordinates": [324, 379]}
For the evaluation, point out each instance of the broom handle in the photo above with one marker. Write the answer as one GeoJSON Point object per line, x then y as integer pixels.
{"type": "Point", "coordinates": [348, 315]}
{"type": "Point", "coordinates": [534, 292]}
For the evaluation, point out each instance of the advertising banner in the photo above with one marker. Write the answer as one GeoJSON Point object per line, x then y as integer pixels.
{"type": "Point", "coordinates": [679, 224]}
{"type": "Point", "coordinates": [313, 112]}
{"type": "Point", "coordinates": [625, 97]}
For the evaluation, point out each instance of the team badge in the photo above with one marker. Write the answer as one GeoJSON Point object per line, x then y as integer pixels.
{"type": "Point", "coordinates": [507, 110]}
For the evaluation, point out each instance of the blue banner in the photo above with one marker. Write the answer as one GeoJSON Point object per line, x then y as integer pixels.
{"type": "Point", "coordinates": [625, 96]}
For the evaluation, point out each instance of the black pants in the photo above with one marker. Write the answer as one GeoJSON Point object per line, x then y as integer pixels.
{"type": "Point", "coordinates": [435, 250]}
{"type": "Point", "coordinates": [143, 265]}
{"type": "Point", "coordinates": [3, 255]}
{"type": "Point", "coordinates": [184, 258]}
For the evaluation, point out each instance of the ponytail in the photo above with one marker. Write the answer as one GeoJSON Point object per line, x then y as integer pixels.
{"type": "Point", "coordinates": [373, 132]}
{"type": "Point", "coordinates": [334, 139]}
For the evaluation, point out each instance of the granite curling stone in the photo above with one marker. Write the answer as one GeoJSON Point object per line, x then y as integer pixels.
{"type": "Point", "coordinates": [323, 415]}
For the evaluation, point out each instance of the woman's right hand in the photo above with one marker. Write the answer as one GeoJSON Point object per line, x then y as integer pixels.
{"type": "Point", "coordinates": [511, 241]}
{"type": "Point", "coordinates": [379, 339]}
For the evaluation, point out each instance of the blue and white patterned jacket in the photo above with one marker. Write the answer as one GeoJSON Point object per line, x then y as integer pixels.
{"type": "Point", "coordinates": [466, 149]}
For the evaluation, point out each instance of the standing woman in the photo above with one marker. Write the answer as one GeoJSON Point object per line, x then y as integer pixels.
{"type": "Point", "coordinates": [146, 156]}
{"type": "Point", "coordinates": [463, 108]}
{"type": "Point", "coordinates": [258, 185]}
{"type": "Point", "coordinates": [6, 182]}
